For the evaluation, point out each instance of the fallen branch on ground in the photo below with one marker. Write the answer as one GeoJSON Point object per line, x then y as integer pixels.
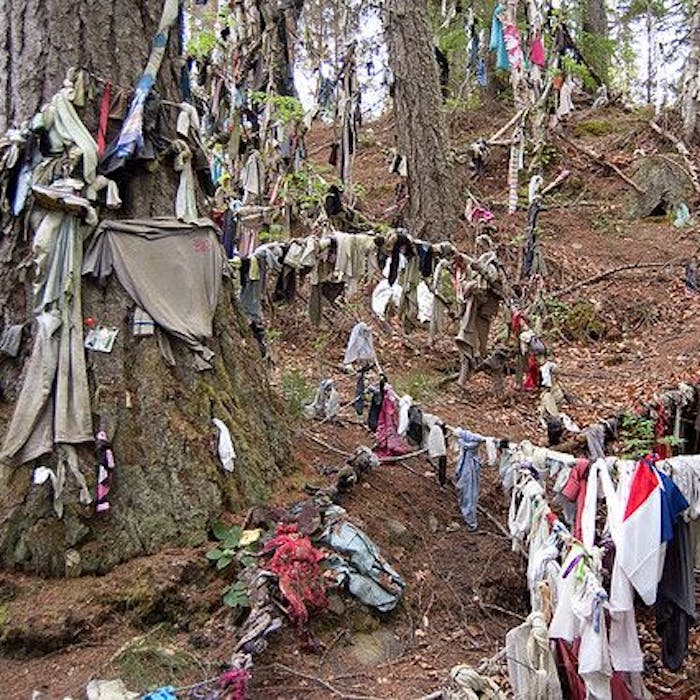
{"type": "Point", "coordinates": [683, 151]}
{"type": "Point", "coordinates": [599, 159]}
{"type": "Point", "coordinates": [490, 517]}
{"type": "Point", "coordinates": [325, 684]}
{"type": "Point", "coordinates": [613, 271]}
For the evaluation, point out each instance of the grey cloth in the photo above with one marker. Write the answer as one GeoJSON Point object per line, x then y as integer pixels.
{"type": "Point", "coordinates": [675, 603]}
{"type": "Point", "coordinates": [171, 269]}
{"type": "Point", "coordinates": [360, 566]}
{"type": "Point", "coordinates": [360, 346]}
{"type": "Point", "coordinates": [11, 339]}
{"type": "Point", "coordinates": [54, 403]}
{"type": "Point", "coordinates": [595, 438]}
{"type": "Point", "coordinates": [467, 475]}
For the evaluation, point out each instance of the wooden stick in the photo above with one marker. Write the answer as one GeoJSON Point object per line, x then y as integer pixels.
{"type": "Point", "coordinates": [599, 159]}
{"type": "Point", "coordinates": [401, 458]}
{"type": "Point", "coordinates": [320, 442]}
{"type": "Point", "coordinates": [609, 273]}
{"type": "Point", "coordinates": [490, 517]}
{"type": "Point", "coordinates": [325, 684]}
{"type": "Point", "coordinates": [495, 138]}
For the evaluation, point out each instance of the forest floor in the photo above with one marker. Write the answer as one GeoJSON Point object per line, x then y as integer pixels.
{"type": "Point", "coordinates": [159, 619]}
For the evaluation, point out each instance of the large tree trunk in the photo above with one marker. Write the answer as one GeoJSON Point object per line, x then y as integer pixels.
{"type": "Point", "coordinates": [420, 124]}
{"type": "Point", "coordinates": [168, 485]}
{"type": "Point", "coordinates": [691, 83]}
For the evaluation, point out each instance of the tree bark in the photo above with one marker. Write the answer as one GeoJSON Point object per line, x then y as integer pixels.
{"type": "Point", "coordinates": [168, 483]}
{"type": "Point", "coordinates": [420, 123]}
{"type": "Point", "coordinates": [595, 25]}
{"type": "Point", "coordinates": [690, 98]}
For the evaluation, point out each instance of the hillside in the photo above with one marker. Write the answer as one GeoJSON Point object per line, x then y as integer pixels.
{"type": "Point", "coordinates": [159, 620]}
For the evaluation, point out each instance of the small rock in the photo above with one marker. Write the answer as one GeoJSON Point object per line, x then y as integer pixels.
{"type": "Point", "coordinates": [432, 523]}
{"type": "Point", "coordinates": [398, 533]}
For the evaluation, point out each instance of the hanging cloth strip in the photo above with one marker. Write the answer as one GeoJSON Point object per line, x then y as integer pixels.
{"type": "Point", "coordinates": [131, 136]}
{"type": "Point", "coordinates": [104, 120]}
{"type": "Point", "coordinates": [513, 168]}
{"type": "Point", "coordinates": [105, 470]}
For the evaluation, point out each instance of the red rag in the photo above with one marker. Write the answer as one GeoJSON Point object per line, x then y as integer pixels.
{"type": "Point", "coordinates": [104, 119]}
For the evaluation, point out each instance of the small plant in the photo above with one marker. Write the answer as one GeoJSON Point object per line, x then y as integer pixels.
{"type": "Point", "coordinates": [637, 435]}
{"type": "Point", "coordinates": [297, 391]}
{"type": "Point", "coordinates": [286, 109]}
{"type": "Point", "coordinates": [235, 544]}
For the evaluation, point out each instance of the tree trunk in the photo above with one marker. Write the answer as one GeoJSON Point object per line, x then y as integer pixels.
{"type": "Point", "coordinates": [595, 26]}
{"type": "Point", "coordinates": [168, 483]}
{"type": "Point", "coordinates": [595, 19]}
{"type": "Point", "coordinates": [434, 200]}
{"type": "Point", "coordinates": [690, 99]}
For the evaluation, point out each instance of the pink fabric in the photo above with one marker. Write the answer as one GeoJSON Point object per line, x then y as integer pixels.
{"type": "Point", "coordinates": [537, 52]}
{"type": "Point", "coordinates": [480, 214]}
{"type": "Point", "coordinates": [515, 51]}
{"type": "Point", "coordinates": [389, 442]}
{"type": "Point", "coordinates": [575, 490]}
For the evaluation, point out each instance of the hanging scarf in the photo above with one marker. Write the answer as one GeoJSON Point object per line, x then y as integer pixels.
{"type": "Point", "coordinates": [498, 43]}
{"type": "Point", "coordinates": [131, 136]}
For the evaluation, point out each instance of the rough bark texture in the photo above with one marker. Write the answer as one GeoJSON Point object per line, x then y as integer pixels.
{"type": "Point", "coordinates": [420, 124]}
{"type": "Point", "coordinates": [168, 485]}
{"type": "Point", "coordinates": [595, 27]}
{"type": "Point", "coordinates": [691, 83]}
{"type": "Point", "coordinates": [595, 18]}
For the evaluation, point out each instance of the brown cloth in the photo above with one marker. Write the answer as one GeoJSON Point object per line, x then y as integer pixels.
{"type": "Point", "coordinates": [171, 269]}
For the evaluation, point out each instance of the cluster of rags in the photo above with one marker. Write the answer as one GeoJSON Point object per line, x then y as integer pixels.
{"type": "Point", "coordinates": [429, 285]}
{"type": "Point", "coordinates": [596, 531]}
{"type": "Point", "coordinates": [603, 531]}
{"type": "Point", "coordinates": [56, 183]}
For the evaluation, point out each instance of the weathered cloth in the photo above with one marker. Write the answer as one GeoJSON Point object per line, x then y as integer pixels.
{"type": "Point", "coordinates": [468, 684]}
{"type": "Point", "coordinates": [358, 563]}
{"type": "Point", "coordinates": [131, 136]}
{"type": "Point", "coordinates": [54, 403]}
{"type": "Point", "coordinates": [675, 601]}
{"type": "Point", "coordinates": [473, 336]}
{"type": "Point", "coordinates": [467, 475]}
{"type": "Point", "coordinates": [11, 339]}
{"type": "Point", "coordinates": [360, 345]}
{"type": "Point", "coordinates": [152, 258]}
{"type": "Point", "coordinates": [389, 442]}
{"type": "Point", "coordinates": [532, 670]}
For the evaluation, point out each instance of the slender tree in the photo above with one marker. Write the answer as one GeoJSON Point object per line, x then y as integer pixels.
{"type": "Point", "coordinates": [690, 97]}
{"type": "Point", "coordinates": [420, 124]}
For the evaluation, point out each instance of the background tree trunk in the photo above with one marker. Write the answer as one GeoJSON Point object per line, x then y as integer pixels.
{"type": "Point", "coordinates": [595, 26]}
{"type": "Point", "coordinates": [691, 82]}
{"type": "Point", "coordinates": [420, 124]}
{"type": "Point", "coordinates": [168, 485]}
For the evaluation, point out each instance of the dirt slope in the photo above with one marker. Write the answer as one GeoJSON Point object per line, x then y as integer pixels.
{"type": "Point", "coordinates": [464, 590]}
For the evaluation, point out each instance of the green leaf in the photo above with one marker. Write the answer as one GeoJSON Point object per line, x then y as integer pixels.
{"type": "Point", "coordinates": [220, 530]}
{"type": "Point", "coordinates": [224, 562]}
{"type": "Point", "coordinates": [214, 554]}
{"type": "Point", "coordinates": [233, 537]}
{"type": "Point", "coordinates": [236, 596]}
{"type": "Point", "coordinates": [247, 560]}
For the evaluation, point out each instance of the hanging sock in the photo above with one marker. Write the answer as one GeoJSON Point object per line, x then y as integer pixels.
{"type": "Point", "coordinates": [104, 470]}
